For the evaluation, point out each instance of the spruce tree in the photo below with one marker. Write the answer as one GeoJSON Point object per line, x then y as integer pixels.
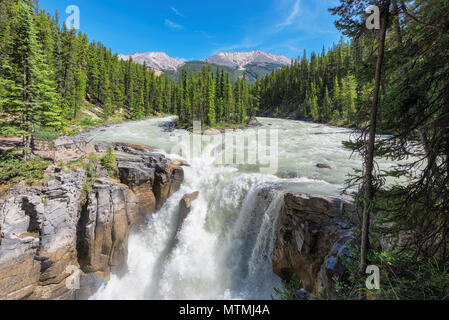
{"type": "Point", "coordinates": [211, 116]}
{"type": "Point", "coordinates": [32, 99]}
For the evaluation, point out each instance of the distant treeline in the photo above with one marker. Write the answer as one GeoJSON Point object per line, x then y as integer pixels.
{"type": "Point", "coordinates": [48, 73]}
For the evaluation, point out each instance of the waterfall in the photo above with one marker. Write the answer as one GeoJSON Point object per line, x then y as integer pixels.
{"type": "Point", "coordinates": [224, 248]}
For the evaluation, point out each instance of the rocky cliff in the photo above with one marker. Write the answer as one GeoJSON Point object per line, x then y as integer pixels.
{"type": "Point", "coordinates": [63, 229]}
{"type": "Point", "coordinates": [314, 238]}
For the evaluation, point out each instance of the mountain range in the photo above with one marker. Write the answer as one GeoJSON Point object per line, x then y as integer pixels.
{"type": "Point", "coordinates": [255, 63]}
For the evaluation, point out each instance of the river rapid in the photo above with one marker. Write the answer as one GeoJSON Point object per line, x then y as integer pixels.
{"type": "Point", "coordinates": [224, 248]}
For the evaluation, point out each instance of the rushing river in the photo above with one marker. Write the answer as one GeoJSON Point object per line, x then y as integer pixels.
{"type": "Point", "coordinates": [224, 248]}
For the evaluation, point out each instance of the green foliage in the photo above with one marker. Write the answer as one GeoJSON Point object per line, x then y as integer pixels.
{"type": "Point", "coordinates": [325, 88]}
{"type": "Point", "coordinates": [212, 99]}
{"type": "Point", "coordinates": [46, 134]}
{"type": "Point", "coordinates": [87, 122]}
{"type": "Point", "coordinates": [405, 279]}
{"type": "Point", "coordinates": [65, 74]}
{"type": "Point", "coordinates": [401, 278]}
{"type": "Point", "coordinates": [33, 99]}
{"type": "Point", "coordinates": [109, 162]}
{"type": "Point", "coordinates": [253, 71]}
{"type": "Point", "coordinates": [288, 291]}
{"type": "Point", "coordinates": [14, 169]}
{"type": "Point", "coordinates": [8, 129]}
{"type": "Point", "coordinates": [90, 167]}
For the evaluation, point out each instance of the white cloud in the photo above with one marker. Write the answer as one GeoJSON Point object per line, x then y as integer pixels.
{"type": "Point", "coordinates": [172, 25]}
{"type": "Point", "coordinates": [291, 17]}
{"type": "Point", "coordinates": [176, 11]}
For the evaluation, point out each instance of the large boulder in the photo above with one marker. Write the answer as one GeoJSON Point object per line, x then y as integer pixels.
{"type": "Point", "coordinates": [313, 232]}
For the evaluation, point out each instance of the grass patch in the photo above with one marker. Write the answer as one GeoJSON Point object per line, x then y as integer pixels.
{"type": "Point", "coordinates": [29, 234]}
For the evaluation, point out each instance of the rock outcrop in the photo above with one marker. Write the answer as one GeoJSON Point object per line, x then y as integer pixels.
{"type": "Point", "coordinates": [58, 228]}
{"type": "Point", "coordinates": [314, 236]}
{"type": "Point", "coordinates": [185, 207]}
{"type": "Point", "coordinates": [38, 236]}
{"type": "Point", "coordinates": [62, 149]}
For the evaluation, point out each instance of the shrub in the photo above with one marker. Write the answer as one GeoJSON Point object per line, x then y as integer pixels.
{"type": "Point", "coordinates": [109, 162]}
{"type": "Point", "coordinates": [91, 166]}
{"type": "Point", "coordinates": [14, 169]}
{"type": "Point", "coordinates": [288, 292]}
{"type": "Point", "coordinates": [406, 278]}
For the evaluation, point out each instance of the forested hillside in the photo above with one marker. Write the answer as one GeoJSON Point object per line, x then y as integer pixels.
{"type": "Point", "coordinates": [252, 71]}
{"type": "Point", "coordinates": [50, 74]}
{"type": "Point", "coordinates": [322, 87]}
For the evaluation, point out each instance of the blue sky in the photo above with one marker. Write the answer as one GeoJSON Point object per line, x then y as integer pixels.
{"type": "Point", "coordinates": [197, 29]}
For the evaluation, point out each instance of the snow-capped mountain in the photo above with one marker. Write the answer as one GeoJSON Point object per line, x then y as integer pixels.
{"type": "Point", "coordinates": [158, 61]}
{"type": "Point", "coordinates": [255, 64]}
{"type": "Point", "coordinates": [241, 59]}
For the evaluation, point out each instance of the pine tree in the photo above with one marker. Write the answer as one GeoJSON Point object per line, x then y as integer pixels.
{"type": "Point", "coordinates": [350, 24]}
{"type": "Point", "coordinates": [314, 109]}
{"type": "Point", "coordinates": [32, 100]}
{"type": "Point", "coordinates": [80, 92]}
{"type": "Point", "coordinates": [326, 105]}
{"type": "Point", "coordinates": [244, 100]}
{"type": "Point", "coordinates": [229, 99]}
{"type": "Point", "coordinates": [237, 101]}
{"type": "Point", "coordinates": [348, 97]}
{"type": "Point", "coordinates": [336, 94]}
{"type": "Point", "coordinates": [7, 11]}
{"type": "Point", "coordinates": [211, 115]}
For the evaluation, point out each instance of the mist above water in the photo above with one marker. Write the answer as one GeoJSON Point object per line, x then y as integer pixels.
{"type": "Point", "coordinates": [224, 248]}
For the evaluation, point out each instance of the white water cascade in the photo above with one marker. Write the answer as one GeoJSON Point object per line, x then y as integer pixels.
{"type": "Point", "coordinates": [224, 248]}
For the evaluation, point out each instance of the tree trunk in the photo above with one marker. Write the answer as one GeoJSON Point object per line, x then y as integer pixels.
{"type": "Point", "coordinates": [369, 157]}
{"type": "Point", "coordinates": [26, 115]}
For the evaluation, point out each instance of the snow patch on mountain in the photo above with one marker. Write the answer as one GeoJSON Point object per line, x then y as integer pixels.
{"type": "Point", "coordinates": [243, 58]}
{"type": "Point", "coordinates": [159, 61]}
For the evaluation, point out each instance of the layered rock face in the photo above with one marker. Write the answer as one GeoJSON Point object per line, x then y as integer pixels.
{"type": "Point", "coordinates": [38, 236]}
{"type": "Point", "coordinates": [56, 231]}
{"type": "Point", "coordinates": [314, 238]}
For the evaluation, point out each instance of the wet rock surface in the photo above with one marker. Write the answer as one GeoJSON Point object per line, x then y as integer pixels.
{"type": "Point", "coordinates": [185, 206]}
